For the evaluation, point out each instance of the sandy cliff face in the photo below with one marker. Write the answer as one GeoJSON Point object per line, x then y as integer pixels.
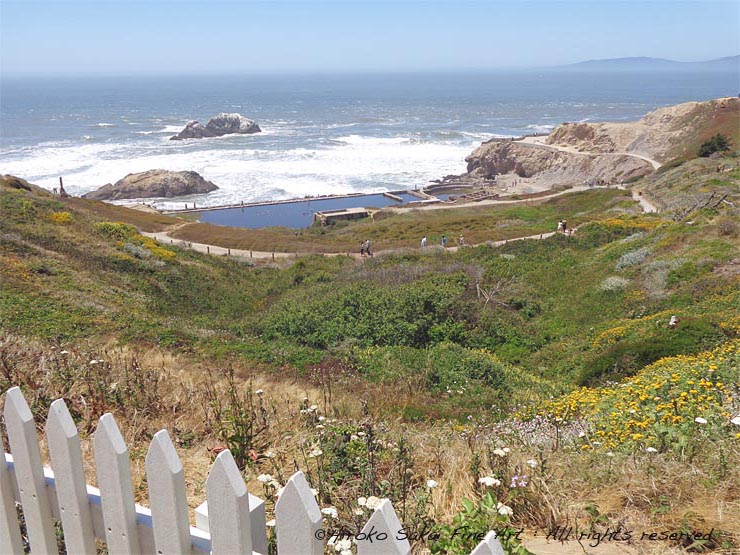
{"type": "Point", "coordinates": [550, 167]}
{"type": "Point", "coordinates": [663, 134]}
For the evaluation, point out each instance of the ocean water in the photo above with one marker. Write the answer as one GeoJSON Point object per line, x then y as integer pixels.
{"type": "Point", "coordinates": [321, 134]}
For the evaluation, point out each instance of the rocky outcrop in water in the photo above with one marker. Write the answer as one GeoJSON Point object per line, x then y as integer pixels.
{"type": "Point", "coordinates": [222, 124]}
{"type": "Point", "coordinates": [154, 183]}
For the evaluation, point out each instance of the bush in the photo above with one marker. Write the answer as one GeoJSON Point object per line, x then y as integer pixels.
{"type": "Point", "coordinates": [718, 143]}
{"type": "Point", "coordinates": [625, 358]}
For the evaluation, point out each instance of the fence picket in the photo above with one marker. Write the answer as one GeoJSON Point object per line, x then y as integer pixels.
{"type": "Point", "coordinates": [489, 546]}
{"type": "Point", "coordinates": [298, 519]}
{"type": "Point", "coordinates": [10, 533]}
{"type": "Point", "coordinates": [380, 533]}
{"type": "Point", "coordinates": [228, 508]}
{"type": "Point", "coordinates": [116, 490]}
{"type": "Point", "coordinates": [29, 473]}
{"type": "Point", "coordinates": [167, 498]}
{"type": "Point", "coordinates": [70, 485]}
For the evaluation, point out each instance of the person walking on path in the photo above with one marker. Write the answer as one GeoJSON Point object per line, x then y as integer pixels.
{"type": "Point", "coordinates": [367, 248]}
{"type": "Point", "coordinates": [444, 241]}
{"type": "Point", "coordinates": [424, 241]}
{"type": "Point", "coordinates": [462, 241]}
{"type": "Point", "coordinates": [565, 226]}
{"type": "Point", "coordinates": [362, 249]}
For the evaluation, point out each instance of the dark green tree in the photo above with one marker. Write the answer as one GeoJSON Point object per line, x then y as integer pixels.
{"type": "Point", "coordinates": [718, 143]}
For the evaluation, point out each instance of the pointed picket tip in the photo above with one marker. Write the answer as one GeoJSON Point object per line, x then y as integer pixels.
{"type": "Point", "coordinates": [489, 545]}
{"type": "Point", "coordinates": [60, 420]}
{"type": "Point", "coordinates": [108, 434]}
{"type": "Point", "coordinates": [383, 527]}
{"type": "Point", "coordinates": [162, 450]}
{"type": "Point", "coordinates": [16, 406]}
{"type": "Point", "coordinates": [225, 471]}
{"type": "Point", "coordinates": [298, 519]}
{"type": "Point", "coordinates": [228, 508]}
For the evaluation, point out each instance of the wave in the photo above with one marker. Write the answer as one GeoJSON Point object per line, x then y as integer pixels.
{"type": "Point", "coordinates": [103, 124]}
{"type": "Point", "coordinates": [362, 140]}
{"type": "Point", "coordinates": [541, 128]}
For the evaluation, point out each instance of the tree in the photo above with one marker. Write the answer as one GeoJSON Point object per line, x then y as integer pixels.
{"type": "Point", "coordinates": [718, 143]}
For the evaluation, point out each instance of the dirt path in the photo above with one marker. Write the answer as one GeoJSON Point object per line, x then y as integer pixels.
{"type": "Point", "coordinates": [540, 142]}
{"type": "Point", "coordinates": [164, 238]}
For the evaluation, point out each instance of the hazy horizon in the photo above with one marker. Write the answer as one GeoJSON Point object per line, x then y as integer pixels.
{"type": "Point", "coordinates": [44, 38]}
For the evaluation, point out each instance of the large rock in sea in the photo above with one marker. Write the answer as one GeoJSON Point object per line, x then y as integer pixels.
{"type": "Point", "coordinates": [154, 183]}
{"type": "Point", "coordinates": [222, 124]}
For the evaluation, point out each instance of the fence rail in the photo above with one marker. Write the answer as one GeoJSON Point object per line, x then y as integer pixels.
{"type": "Point", "coordinates": [230, 522]}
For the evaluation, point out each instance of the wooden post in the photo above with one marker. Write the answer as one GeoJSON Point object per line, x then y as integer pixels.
{"type": "Point", "coordinates": [29, 473]}
{"type": "Point", "coordinates": [166, 479]}
{"type": "Point", "coordinates": [66, 458]}
{"type": "Point", "coordinates": [273, 257]}
{"type": "Point", "coordinates": [228, 508]}
{"type": "Point", "coordinates": [208, 249]}
{"type": "Point", "coordinates": [116, 490]}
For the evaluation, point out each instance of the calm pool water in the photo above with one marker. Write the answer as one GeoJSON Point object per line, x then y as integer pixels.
{"type": "Point", "coordinates": [296, 214]}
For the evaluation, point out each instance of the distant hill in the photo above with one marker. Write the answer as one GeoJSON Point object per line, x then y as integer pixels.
{"type": "Point", "coordinates": [646, 63]}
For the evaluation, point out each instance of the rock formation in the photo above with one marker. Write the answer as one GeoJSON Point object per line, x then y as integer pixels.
{"type": "Point", "coordinates": [154, 183]}
{"type": "Point", "coordinates": [550, 167]}
{"type": "Point", "coordinates": [222, 124]}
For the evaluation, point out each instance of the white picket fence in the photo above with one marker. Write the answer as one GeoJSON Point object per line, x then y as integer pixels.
{"type": "Point", "coordinates": [230, 522]}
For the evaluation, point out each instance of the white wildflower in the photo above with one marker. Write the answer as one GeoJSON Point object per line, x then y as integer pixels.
{"type": "Point", "coordinates": [264, 478]}
{"type": "Point", "coordinates": [359, 511]}
{"type": "Point", "coordinates": [504, 510]}
{"type": "Point", "coordinates": [65, 352]}
{"type": "Point", "coordinates": [330, 511]}
{"type": "Point", "coordinates": [362, 501]}
{"type": "Point", "coordinates": [609, 453]}
{"type": "Point", "coordinates": [532, 463]}
{"type": "Point", "coordinates": [343, 544]}
{"type": "Point", "coordinates": [372, 502]}
{"type": "Point", "coordinates": [259, 392]}
{"type": "Point", "coordinates": [489, 481]}
{"type": "Point", "coordinates": [651, 450]}
{"type": "Point", "coordinates": [270, 523]}
{"type": "Point", "coordinates": [700, 420]}
{"type": "Point", "coordinates": [499, 452]}
{"type": "Point", "coordinates": [431, 484]}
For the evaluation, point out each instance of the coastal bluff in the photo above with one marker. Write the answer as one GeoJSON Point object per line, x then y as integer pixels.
{"type": "Point", "coordinates": [611, 152]}
{"type": "Point", "coordinates": [154, 184]}
{"type": "Point", "coordinates": [217, 126]}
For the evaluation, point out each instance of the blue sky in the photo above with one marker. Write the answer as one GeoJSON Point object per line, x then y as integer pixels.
{"type": "Point", "coordinates": [180, 36]}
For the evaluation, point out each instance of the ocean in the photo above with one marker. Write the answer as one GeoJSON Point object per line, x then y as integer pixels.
{"type": "Point", "coordinates": [322, 134]}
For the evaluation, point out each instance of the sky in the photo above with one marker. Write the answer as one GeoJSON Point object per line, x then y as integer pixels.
{"type": "Point", "coordinates": [120, 37]}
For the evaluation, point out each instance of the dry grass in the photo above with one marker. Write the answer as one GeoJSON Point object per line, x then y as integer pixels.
{"type": "Point", "coordinates": [641, 492]}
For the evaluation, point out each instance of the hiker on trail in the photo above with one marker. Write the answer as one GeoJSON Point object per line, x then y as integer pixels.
{"type": "Point", "coordinates": [367, 247]}
{"type": "Point", "coordinates": [462, 241]}
{"type": "Point", "coordinates": [560, 226]}
{"type": "Point", "coordinates": [424, 241]}
{"type": "Point", "coordinates": [362, 248]}
{"type": "Point", "coordinates": [444, 241]}
{"type": "Point", "coordinates": [565, 226]}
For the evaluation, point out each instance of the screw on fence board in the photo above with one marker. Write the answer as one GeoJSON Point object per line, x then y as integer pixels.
{"type": "Point", "coordinates": [489, 546]}
{"type": "Point", "coordinates": [29, 473]}
{"type": "Point", "coordinates": [116, 491]}
{"type": "Point", "coordinates": [10, 534]}
{"type": "Point", "coordinates": [384, 527]}
{"type": "Point", "coordinates": [298, 519]}
{"type": "Point", "coordinates": [167, 499]}
{"type": "Point", "coordinates": [70, 485]}
{"type": "Point", "coordinates": [228, 508]}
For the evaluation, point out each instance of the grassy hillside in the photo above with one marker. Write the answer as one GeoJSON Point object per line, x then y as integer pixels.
{"type": "Point", "coordinates": [379, 374]}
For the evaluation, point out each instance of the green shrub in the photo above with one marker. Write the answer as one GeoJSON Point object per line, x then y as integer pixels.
{"type": "Point", "coordinates": [627, 357]}
{"type": "Point", "coordinates": [718, 143]}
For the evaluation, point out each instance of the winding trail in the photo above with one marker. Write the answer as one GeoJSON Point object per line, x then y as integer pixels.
{"type": "Point", "coordinates": [540, 143]}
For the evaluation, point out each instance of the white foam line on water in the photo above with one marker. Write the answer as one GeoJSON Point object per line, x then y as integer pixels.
{"type": "Point", "coordinates": [356, 164]}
